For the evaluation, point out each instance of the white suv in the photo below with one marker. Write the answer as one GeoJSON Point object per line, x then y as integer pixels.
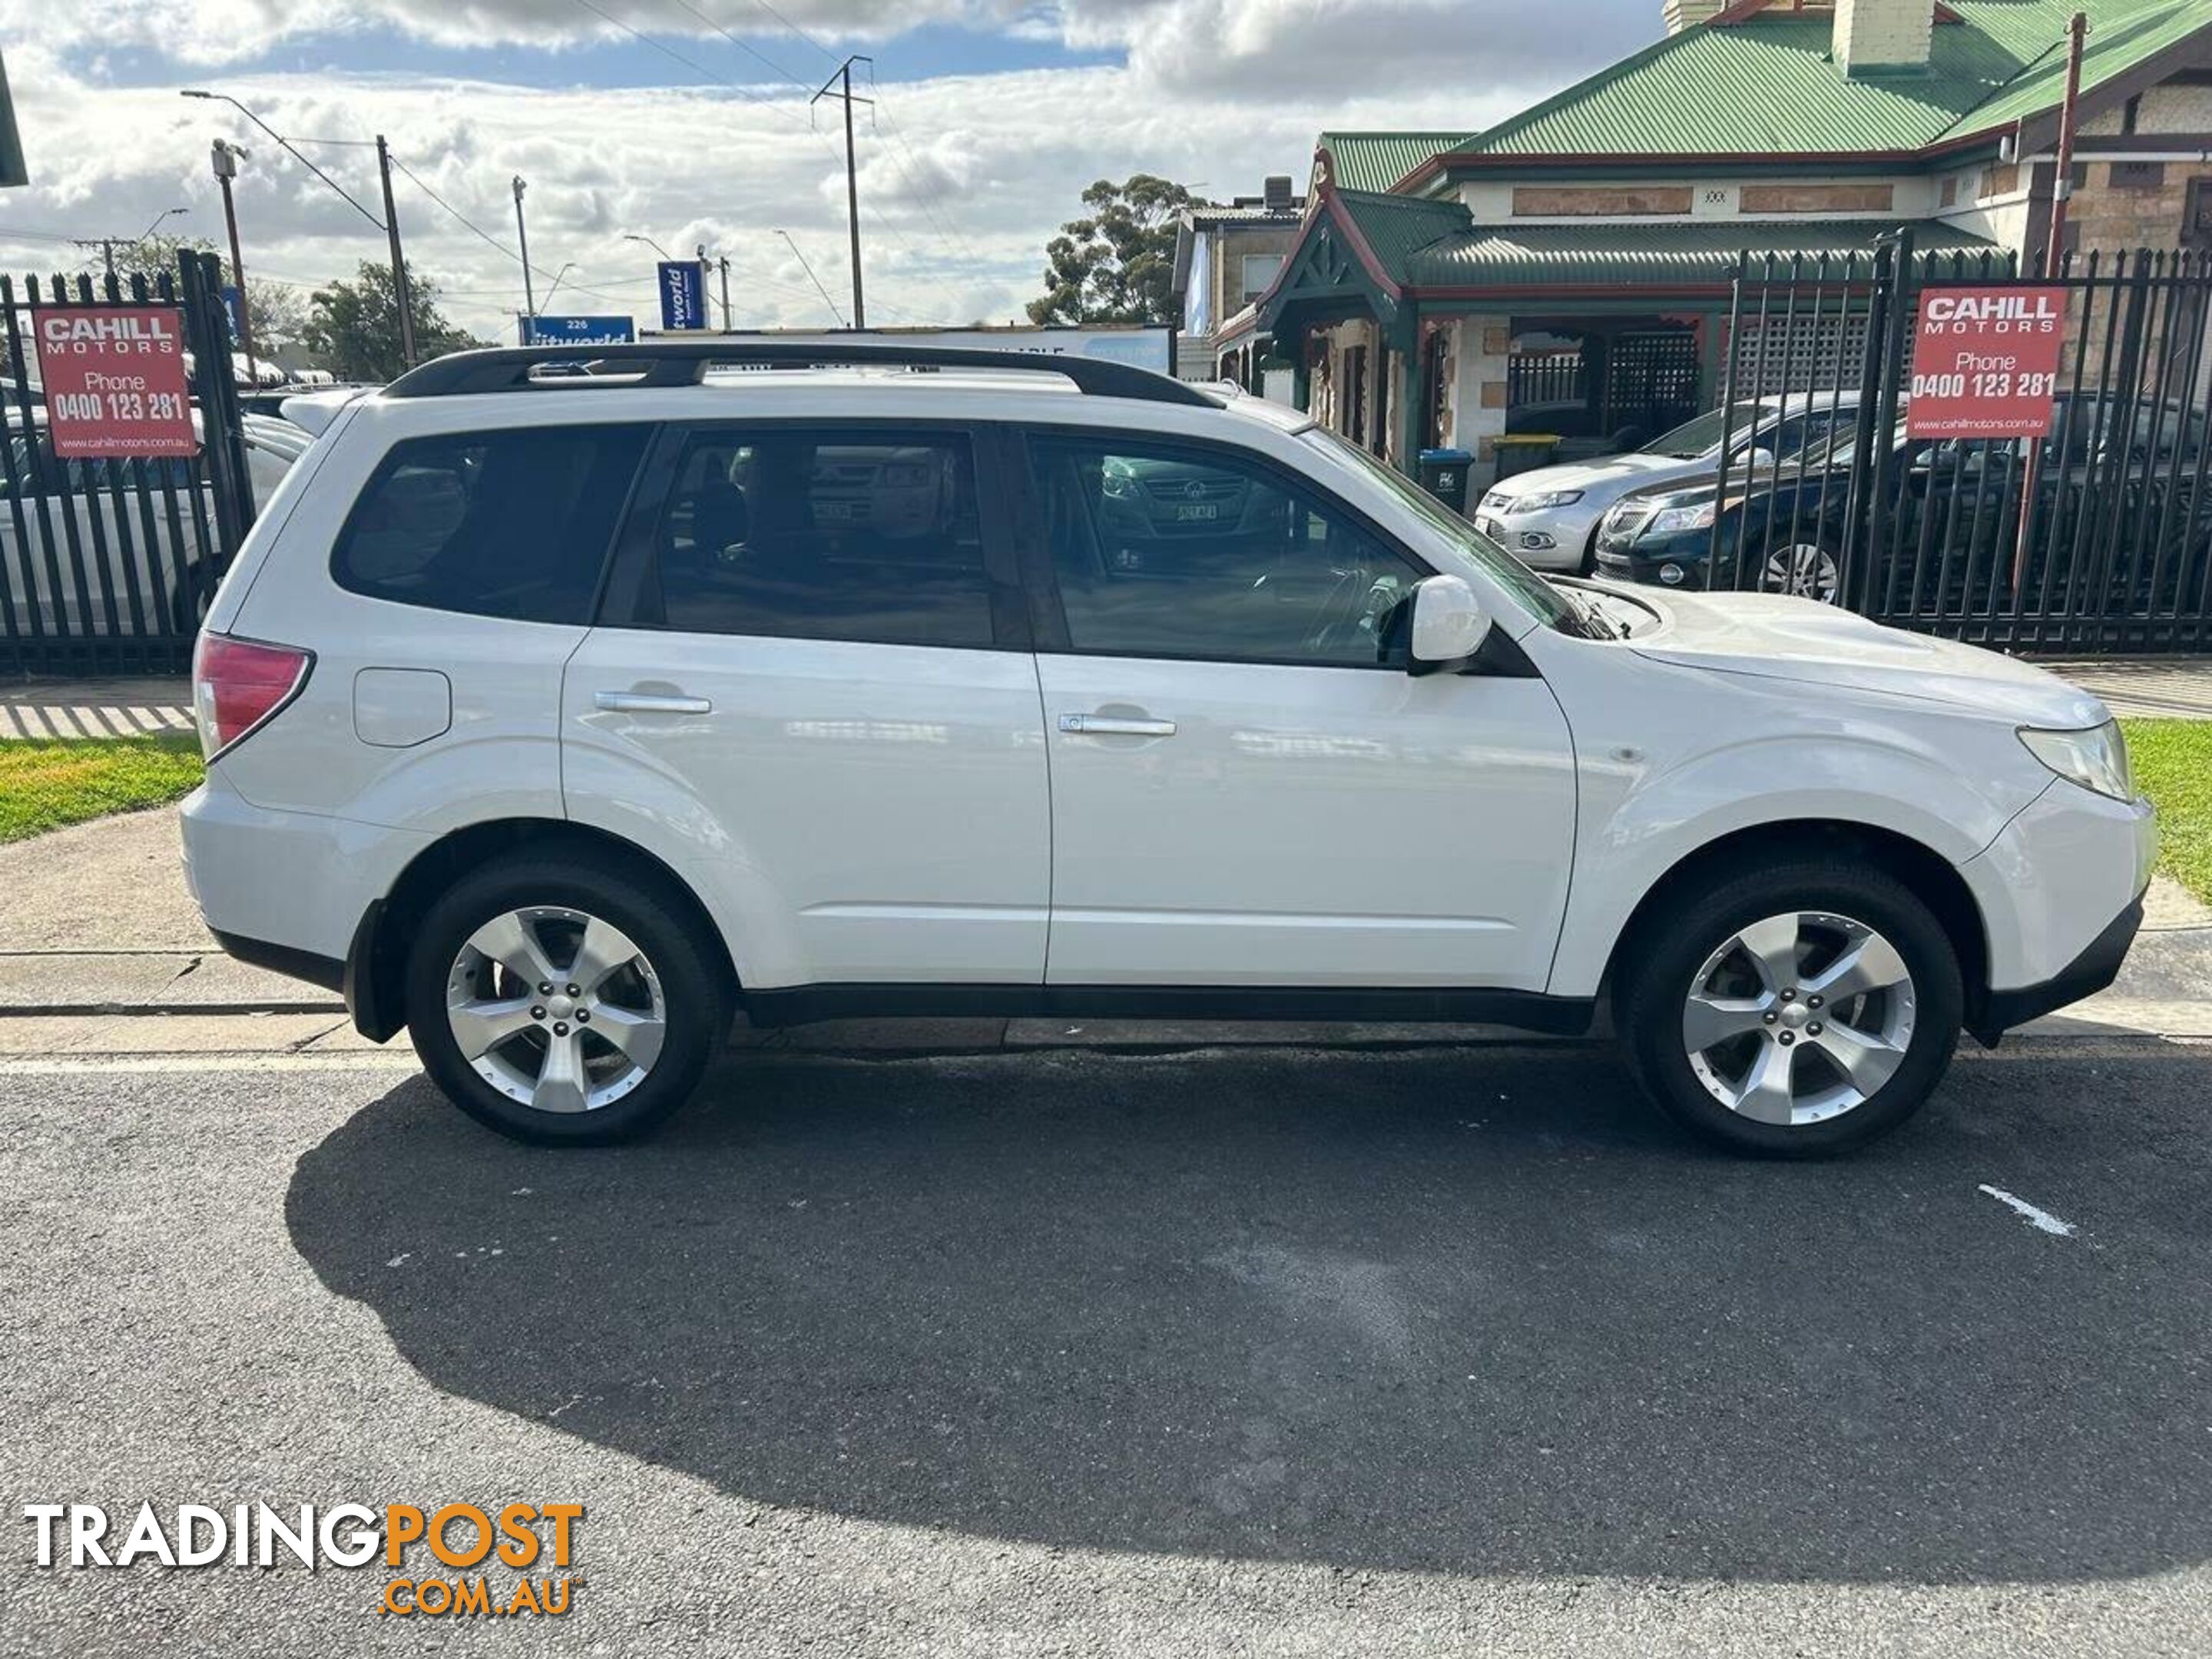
{"type": "Point", "coordinates": [556, 720]}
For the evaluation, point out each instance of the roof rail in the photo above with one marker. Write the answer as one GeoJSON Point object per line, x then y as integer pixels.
{"type": "Point", "coordinates": [682, 362]}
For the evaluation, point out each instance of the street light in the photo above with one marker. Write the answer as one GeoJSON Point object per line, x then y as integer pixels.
{"type": "Point", "coordinates": [522, 236]}
{"type": "Point", "coordinates": [108, 243]}
{"type": "Point", "coordinates": [559, 276]}
{"type": "Point", "coordinates": [166, 212]}
{"type": "Point", "coordinates": [227, 157]}
{"type": "Point", "coordinates": [632, 236]}
{"type": "Point", "coordinates": [402, 294]}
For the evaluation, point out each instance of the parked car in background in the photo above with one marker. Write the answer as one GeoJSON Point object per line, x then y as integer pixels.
{"type": "Point", "coordinates": [1960, 496]}
{"type": "Point", "coordinates": [113, 521]}
{"type": "Point", "coordinates": [552, 735]}
{"type": "Point", "coordinates": [1548, 517]}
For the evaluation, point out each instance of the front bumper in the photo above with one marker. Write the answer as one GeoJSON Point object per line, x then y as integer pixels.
{"type": "Point", "coordinates": [1633, 568]}
{"type": "Point", "coordinates": [2097, 967]}
{"type": "Point", "coordinates": [2060, 892]}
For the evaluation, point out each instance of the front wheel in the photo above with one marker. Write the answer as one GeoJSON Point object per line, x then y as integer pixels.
{"type": "Point", "coordinates": [561, 1004]}
{"type": "Point", "coordinates": [1803, 568]}
{"type": "Point", "coordinates": [1791, 1010]}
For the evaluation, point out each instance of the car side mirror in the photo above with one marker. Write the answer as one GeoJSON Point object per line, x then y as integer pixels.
{"type": "Point", "coordinates": [1449, 625]}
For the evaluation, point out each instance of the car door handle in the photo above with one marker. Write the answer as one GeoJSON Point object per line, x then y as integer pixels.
{"type": "Point", "coordinates": [646, 703]}
{"type": "Point", "coordinates": [1113, 725]}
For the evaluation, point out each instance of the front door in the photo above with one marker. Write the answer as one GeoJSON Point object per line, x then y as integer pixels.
{"type": "Point", "coordinates": [811, 675]}
{"type": "Point", "coordinates": [1248, 788]}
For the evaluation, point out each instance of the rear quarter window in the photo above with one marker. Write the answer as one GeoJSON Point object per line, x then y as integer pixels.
{"type": "Point", "coordinates": [513, 523]}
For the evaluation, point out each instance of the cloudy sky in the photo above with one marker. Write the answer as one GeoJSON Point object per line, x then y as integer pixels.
{"type": "Point", "coordinates": [687, 121]}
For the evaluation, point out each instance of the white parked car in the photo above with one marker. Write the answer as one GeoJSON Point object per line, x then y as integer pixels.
{"type": "Point", "coordinates": [1548, 517]}
{"type": "Point", "coordinates": [553, 734]}
{"type": "Point", "coordinates": [150, 571]}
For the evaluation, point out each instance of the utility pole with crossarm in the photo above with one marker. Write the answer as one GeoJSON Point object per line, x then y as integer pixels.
{"type": "Point", "coordinates": [843, 80]}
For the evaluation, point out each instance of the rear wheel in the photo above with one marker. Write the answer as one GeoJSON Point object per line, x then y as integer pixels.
{"type": "Point", "coordinates": [563, 1004]}
{"type": "Point", "coordinates": [1791, 1009]}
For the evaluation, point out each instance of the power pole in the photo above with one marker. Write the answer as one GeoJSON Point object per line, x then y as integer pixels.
{"type": "Point", "coordinates": [402, 292]}
{"type": "Point", "coordinates": [725, 293]}
{"type": "Point", "coordinates": [226, 169]}
{"type": "Point", "coordinates": [522, 235]}
{"type": "Point", "coordinates": [843, 80]}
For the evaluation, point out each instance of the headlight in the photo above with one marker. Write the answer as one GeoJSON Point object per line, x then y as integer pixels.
{"type": "Point", "coordinates": [1545, 502]}
{"type": "Point", "coordinates": [1683, 518]}
{"type": "Point", "coordinates": [2096, 759]}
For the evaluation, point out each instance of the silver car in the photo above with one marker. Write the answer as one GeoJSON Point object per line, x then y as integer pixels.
{"type": "Point", "coordinates": [1549, 517]}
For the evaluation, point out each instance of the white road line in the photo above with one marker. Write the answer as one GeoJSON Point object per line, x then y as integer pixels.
{"type": "Point", "coordinates": [2041, 1220]}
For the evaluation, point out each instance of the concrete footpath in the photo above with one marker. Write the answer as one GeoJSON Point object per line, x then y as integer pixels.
{"type": "Point", "coordinates": [102, 956]}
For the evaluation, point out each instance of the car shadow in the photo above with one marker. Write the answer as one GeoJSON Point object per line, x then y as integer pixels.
{"type": "Point", "coordinates": [1475, 1312]}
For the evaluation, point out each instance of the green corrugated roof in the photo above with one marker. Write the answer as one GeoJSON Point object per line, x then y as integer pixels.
{"type": "Point", "coordinates": [1376, 160]}
{"type": "Point", "coordinates": [1644, 255]}
{"type": "Point", "coordinates": [1399, 227]}
{"type": "Point", "coordinates": [1770, 84]}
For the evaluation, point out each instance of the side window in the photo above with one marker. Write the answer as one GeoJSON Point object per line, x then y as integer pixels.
{"type": "Point", "coordinates": [1201, 553]}
{"type": "Point", "coordinates": [822, 534]}
{"type": "Point", "coordinates": [513, 523]}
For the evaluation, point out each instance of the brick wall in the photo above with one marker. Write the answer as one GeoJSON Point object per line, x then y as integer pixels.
{"type": "Point", "coordinates": [1598, 201]}
{"type": "Point", "coordinates": [1819, 198]}
{"type": "Point", "coordinates": [2142, 208]}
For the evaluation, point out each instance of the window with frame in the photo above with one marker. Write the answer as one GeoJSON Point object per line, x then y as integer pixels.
{"type": "Point", "coordinates": [1257, 271]}
{"type": "Point", "coordinates": [1169, 551]}
{"type": "Point", "coordinates": [862, 533]}
{"type": "Point", "coordinates": [514, 524]}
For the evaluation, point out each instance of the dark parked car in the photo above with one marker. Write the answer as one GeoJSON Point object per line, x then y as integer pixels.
{"type": "Point", "coordinates": [1955, 501]}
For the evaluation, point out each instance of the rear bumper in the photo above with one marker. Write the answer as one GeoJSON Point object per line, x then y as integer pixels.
{"type": "Point", "coordinates": [2097, 967]}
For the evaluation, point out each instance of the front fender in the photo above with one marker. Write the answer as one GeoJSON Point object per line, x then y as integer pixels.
{"type": "Point", "coordinates": [1641, 820]}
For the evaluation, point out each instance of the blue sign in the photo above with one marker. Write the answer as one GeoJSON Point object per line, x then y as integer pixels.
{"type": "Point", "coordinates": [683, 294]}
{"type": "Point", "coordinates": [578, 331]}
{"type": "Point", "coordinates": [231, 306]}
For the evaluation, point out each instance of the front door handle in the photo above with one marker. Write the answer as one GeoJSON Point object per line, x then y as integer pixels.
{"type": "Point", "coordinates": [1113, 725]}
{"type": "Point", "coordinates": [646, 703]}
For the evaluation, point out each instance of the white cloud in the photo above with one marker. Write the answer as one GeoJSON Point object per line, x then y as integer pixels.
{"type": "Point", "coordinates": [1214, 92]}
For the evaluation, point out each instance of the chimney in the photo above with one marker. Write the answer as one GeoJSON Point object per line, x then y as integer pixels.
{"type": "Point", "coordinates": [1276, 191]}
{"type": "Point", "coordinates": [1883, 37]}
{"type": "Point", "coordinates": [1688, 14]}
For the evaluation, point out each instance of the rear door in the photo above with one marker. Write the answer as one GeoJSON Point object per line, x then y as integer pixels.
{"type": "Point", "coordinates": [810, 687]}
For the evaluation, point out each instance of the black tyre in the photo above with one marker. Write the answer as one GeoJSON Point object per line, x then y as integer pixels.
{"type": "Point", "coordinates": [1790, 1009]}
{"type": "Point", "coordinates": [563, 1005]}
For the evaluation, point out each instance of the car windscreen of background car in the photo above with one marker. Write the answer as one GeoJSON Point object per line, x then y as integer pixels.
{"type": "Point", "coordinates": [513, 523]}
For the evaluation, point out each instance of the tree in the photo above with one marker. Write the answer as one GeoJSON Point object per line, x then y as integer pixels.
{"type": "Point", "coordinates": [354, 327]}
{"type": "Point", "coordinates": [1115, 264]}
{"type": "Point", "coordinates": [275, 309]}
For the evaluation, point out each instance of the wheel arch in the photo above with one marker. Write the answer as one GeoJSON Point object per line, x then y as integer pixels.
{"type": "Point", "coordinates": [1932, 878]}
{"type": "Point", "coordinates": [376, 963]}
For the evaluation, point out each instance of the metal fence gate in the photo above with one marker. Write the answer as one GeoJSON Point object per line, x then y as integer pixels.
{"type": "Point", "coordinates": [107, 565]}
{"type": "Point", "coordinates": [2097, 538]}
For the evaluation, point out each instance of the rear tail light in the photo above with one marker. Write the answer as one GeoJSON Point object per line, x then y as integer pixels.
{"type": "Point", "coordinates": [238, 685]}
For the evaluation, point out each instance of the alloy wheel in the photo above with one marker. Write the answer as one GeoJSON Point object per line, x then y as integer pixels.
{"type": "Point", "coordinates": [556, 1008]}
{"type": "Point", "coordinates": [1799, 1017]}
{"type": "Point", "coordinates": [1804, 569]}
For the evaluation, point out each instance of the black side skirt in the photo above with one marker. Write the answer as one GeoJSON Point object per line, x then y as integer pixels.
{"type": "Point", "coordinates": [1525, 1010]}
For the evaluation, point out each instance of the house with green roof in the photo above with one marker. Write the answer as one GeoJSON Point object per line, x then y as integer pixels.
{"type": "Point", "coordinates": [1566, 271]}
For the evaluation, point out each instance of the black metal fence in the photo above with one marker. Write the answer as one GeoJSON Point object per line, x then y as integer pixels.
{"type": "Point", "coordinates": [106, 565]}
{"type": "Point", "coordinates": [2096, 538]}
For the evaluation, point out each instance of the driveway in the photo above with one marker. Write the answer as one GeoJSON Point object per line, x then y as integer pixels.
{"type": "Point", "coordinates": [1263, 1351]}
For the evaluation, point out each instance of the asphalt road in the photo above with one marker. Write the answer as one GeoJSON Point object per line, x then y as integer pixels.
{"type": "Point", "coordinates": [1284, 1351]}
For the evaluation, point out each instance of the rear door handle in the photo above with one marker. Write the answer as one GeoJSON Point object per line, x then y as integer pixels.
{"type": "Point", "coordinates": [1113, 725]}
{"type": "Point", "coordinates": [646, 703]}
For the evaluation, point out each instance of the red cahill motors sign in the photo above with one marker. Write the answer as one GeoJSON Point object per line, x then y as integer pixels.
{"type": "Point", "coordinates": [1985, 361]}
{"type": "Point", "coordinates": [115, 380]}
